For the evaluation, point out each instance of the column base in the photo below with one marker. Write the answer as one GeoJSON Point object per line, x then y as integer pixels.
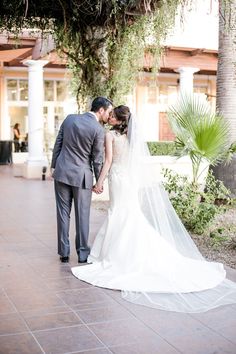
{"type": "Point", "coordinates": [34, 169]}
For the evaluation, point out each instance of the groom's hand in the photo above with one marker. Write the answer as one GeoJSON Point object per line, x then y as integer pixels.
{"type": "Point", "coordinates": [97, 189]}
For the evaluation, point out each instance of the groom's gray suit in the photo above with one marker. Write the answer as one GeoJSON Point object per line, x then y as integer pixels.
{"type": "Point", "coordinates": [78, 151]}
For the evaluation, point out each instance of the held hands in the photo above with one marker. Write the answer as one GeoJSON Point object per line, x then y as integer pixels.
{"type": "Point", "coordinates": [98, 188]}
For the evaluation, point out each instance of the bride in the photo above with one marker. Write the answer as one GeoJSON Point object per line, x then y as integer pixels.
{"type": "Point", "coordinates": [143, 248]}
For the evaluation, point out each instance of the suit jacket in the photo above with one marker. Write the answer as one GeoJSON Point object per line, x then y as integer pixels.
{"type": "Point", "coordinates": [78, 150]}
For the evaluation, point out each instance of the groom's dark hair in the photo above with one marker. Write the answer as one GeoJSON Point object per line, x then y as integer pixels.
{"type": "Point", "coordinates": [100, 102]}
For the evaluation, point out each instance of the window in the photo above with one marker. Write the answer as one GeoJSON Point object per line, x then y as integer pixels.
{"type": "Point", "coordinates": [23, 90]}
{"type": "Point", "coordinates": [55, 90]}
{"type": "Point", "coordinates": [12, 90]}
{"type": "Point", "coordinates": [17, 90]}
{"type": "Point", "coordinates": [49, 90]}
{"type": "Point", "coordinates": [152, 94]}
{"type": "Point", "coordinates": [167, 96]}
{"type": "Point", "coordinates": [59, 116]}
{"type": "Point", "coordinates": [61, 90]}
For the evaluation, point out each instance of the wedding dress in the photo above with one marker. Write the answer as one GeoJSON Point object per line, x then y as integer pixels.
{"type": "Point", "coordinates": [144, 250]}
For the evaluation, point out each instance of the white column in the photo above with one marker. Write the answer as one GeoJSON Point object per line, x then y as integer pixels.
{"type": "Point", "coordinates": [186, 79]}
{"type": "Point", "coordinates": [5, 123]}
{"type": "Point", "coordinates": [36, 157]}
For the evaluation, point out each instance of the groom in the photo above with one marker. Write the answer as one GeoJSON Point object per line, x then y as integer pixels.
{"type": "Point", "coordinates": [78, 151]}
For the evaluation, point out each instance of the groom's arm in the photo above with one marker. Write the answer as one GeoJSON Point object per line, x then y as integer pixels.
{"type": "Point", "coordinates": [98, 153]}
{"type": "Point", "coordinates": [98, 188]}
{"type": "Point", "coordinates": [57, 147]}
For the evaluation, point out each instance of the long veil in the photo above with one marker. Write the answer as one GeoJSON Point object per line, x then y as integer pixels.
{"type": "Point", "coordinates": [157, 208]}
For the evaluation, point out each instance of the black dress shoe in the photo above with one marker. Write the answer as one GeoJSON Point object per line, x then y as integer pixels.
{"type": "Point", "coordinates": [64, 259]}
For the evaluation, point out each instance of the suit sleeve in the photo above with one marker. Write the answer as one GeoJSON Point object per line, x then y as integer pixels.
{"type": "Point", "coordinates": [57, 147]}
{"type": "Point", "coordinates": [98, 153]}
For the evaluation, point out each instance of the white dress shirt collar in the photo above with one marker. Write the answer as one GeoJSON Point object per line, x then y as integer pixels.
{"type": "Point", "coordinates": [94, 115]}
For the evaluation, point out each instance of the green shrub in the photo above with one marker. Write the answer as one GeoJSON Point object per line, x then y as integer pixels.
{"type": "Point", "coordinates": [159, 148]}
{"type": "Point", "coordinates": [219, 237]}
{"type": "Point", "coordinates": [197, 209]}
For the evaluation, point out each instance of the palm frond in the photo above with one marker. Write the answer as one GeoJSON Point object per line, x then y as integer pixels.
{"type": "Point", "coordinates": [200, 132]}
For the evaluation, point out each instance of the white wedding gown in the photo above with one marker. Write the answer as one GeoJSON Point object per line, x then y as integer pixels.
{"type": "Point", "coordinates": [129, 254]}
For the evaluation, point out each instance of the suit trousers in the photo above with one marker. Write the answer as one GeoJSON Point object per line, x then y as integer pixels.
{"type": "Point", "coordinates": [65, 194]}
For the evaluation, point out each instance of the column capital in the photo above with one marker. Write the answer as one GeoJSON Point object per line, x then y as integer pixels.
{"type": "Point", "coordinates": [187, 69]}
{"type": "Point", "coordinates": [35, 65]}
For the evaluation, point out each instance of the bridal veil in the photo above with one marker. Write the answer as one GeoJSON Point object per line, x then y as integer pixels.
{"type": "Point", "coordinates": [158, 210]}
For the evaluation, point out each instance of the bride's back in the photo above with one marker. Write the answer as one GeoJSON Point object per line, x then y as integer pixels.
{"type": "Point", "coordinates": [120, 147]}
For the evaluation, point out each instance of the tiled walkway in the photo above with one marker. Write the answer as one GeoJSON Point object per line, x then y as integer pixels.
{"type": "Point", "coordinates": [44, 309]}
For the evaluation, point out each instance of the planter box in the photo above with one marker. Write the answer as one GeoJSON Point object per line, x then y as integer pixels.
{"type": "Point", "coordinates": [182, 165]}
{"type": "Point", "coordinates": [19, 157]}
{"type": "Point", "coordinates": [18, 160]}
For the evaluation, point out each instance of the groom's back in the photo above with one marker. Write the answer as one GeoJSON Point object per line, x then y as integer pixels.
{"type": "Point", "coordinates": [78, 136]}
{"type": "Point", "coordinates": [79, 132]}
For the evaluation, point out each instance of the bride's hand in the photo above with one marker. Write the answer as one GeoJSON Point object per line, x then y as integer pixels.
{"type": "Point", "coordinates": [98, 188]}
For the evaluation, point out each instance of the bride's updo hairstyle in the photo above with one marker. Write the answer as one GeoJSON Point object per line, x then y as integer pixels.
{"type": "Point", "coordinates": [122, 113]}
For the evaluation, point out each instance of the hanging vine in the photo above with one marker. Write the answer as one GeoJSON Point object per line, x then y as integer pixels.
{"type": "Point", "coordinates": [104, 40]}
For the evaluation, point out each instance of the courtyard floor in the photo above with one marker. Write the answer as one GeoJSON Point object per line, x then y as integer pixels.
{"type": "Point", "coordinates": [45, 309]}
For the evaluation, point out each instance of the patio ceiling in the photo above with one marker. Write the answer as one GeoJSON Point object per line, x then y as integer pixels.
{"type": "Point", "coordinates": [175, 57]}
{"type": "Point", "coordinates": [14, 57]}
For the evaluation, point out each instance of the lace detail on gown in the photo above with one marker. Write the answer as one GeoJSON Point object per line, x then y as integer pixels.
{"type": "Point", "coordinates": [120, 148]}
{"type": "Point", "coordinates": [117, 177]}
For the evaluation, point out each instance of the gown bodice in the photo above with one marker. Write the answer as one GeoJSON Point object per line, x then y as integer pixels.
{"type": "Point", "coordinates": [120, 147]}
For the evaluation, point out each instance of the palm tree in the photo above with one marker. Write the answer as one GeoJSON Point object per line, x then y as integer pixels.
{"type": "Point", "coordinates": [226, 84]}
{"type": "Point", "coordinates": [200, 132]}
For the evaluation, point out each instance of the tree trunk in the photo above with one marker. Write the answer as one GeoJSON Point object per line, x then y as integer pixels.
{"type": "Point", "coordinates": [226, 84]}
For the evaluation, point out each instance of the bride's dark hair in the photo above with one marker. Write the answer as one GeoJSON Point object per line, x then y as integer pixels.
{"type": "Point", "coordinates": [122, 113]}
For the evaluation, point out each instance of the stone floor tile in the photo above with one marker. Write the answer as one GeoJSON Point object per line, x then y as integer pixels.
{"type": "Point", "coordinates": [203, 341]}
{"type": "Point", "coordinates": [95, 305]}
{"type": "Point", "coordinates": [5, 304]}
{"type": "Point", "coordinates": [166, 323]}
{"type": "Point", "coordinates": [12, 323]}
{"type": "Point", "coordinates": [44, 311]}
{"type": "Point", "coordinates": [16, 238]}
{"type": "Point", "coordinates": [82, 296]}
{"type": "Point", "coordinates": [17, 283]}
{"type": "Point", "coordinates": [122, 332]}
{"type": "Point", "coordinates": [95, 351]}
{"type": "Point", "coordinates": [9, 258]}
{"type": "Point", "coordinates": [222, 320]}
{"type": "Point", "coordinates": [19, 344]}
{"type": "Point", "coordinates": [60, 272]}
{"type": "Point", "coordinates": [107, 313]}
{"type": "Point", "coordinates": [65, 340]}
{"type": "Point", "coordinates": [35, 252]}
{"type": "Point", "coordinates": [151, 346]}
{"type": "Point", "coordinates": [29, 299]}
{"type": "Point", "coordinates": [53, 320]}
{"type": "Point", "coordinates": [67, 283]}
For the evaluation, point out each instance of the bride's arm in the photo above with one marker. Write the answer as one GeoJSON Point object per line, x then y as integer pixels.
{"type": "Point", "coordinates": [98, 188]}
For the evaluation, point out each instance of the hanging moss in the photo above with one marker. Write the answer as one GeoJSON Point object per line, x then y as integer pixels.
{"type": "Point", "coordinates": [104, 40]}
